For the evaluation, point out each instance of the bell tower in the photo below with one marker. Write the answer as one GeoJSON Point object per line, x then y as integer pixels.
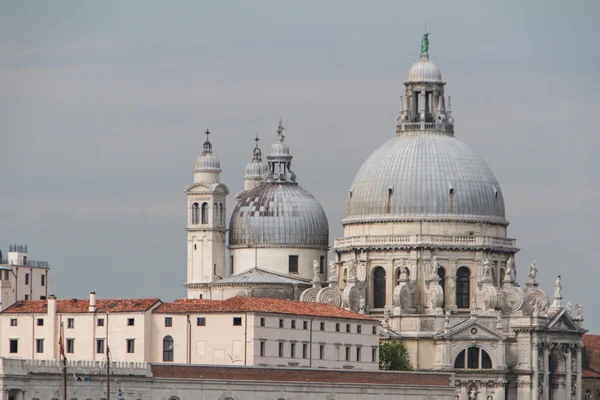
{"type": "Point", "coordinates": [206, 223]}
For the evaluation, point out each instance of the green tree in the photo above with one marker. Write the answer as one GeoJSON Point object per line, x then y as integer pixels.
{"type": "Point", "coordinates": [393, 356]}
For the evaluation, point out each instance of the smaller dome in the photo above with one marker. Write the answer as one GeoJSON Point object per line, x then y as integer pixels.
{"type": "Point", "coordinates": [424, 70]}
{"type": "Point", "coordinates": [207, 162]}
{"type": "Point", "coordinates": [256, 169]}
{"type": "Point", "coordinates": [279, 149]}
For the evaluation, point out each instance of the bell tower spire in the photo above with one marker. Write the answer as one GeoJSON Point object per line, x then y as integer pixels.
{"type": "Point", "coordinates": [206, 223]}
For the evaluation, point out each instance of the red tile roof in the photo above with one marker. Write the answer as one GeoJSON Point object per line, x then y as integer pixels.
{"type": "Point", "coordinates": [239, 373]}
{"type": "Point", "coordinates": [258, 305]}
{"type": "Point", "coordinates": [592, 343]}
{"type": "Point", "coordinates": [588, 373]}
{"type": "Point", "coordinates": [82, 306]}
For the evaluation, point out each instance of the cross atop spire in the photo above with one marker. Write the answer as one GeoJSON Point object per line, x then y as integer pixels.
{"type": "Point", "coordinates": [207, 145]}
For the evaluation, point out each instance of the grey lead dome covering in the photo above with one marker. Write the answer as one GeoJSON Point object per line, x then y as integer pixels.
{"type": "Point", "coordinates": [278, 214]}
{"type": "Point", "coordinates": [429, 175]}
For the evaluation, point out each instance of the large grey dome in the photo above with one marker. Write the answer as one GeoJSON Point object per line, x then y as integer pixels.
{"type": "Point", "coordinates": [424, 174]}
{"type": "Point", "coordinates": [280, 214]}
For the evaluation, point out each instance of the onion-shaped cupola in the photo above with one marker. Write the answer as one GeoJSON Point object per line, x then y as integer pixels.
{"type": "Point", "coordinates": [207, 167]}
{"type": "Point", "coordinates": [256, 169]}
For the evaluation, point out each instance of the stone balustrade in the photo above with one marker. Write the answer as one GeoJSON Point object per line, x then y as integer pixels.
{"type": "Point", "coordinates": [417, 240]}
{"type": "Point", "coordinates": [16, 366]}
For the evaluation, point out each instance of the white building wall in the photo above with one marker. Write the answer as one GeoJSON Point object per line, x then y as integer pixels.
{"type": "Point", "coordinates": [22, 283]}
{"type": "Point", "coordinates": [277, 260]}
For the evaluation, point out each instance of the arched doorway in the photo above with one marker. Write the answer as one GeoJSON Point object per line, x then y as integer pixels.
{"type": "Point", "coordinates": [379, 287]}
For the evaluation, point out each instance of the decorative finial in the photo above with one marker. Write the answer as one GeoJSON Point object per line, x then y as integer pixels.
{"type": "Point", "coordinates": [207, 145]}
{"type": "Point", "coordinates": [256, 139]}
{"type": "Point", "coordinates": [425, 45]}
{"type": "Point", "coordinates": [280, 136]}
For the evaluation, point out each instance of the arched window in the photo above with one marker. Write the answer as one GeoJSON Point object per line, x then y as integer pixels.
{"type": "Point", "coordinates": [473, 358]}
{"type": "Point", "coordinates": [168, 348]}
{"type": "Point", "coordinates": [195, 213]}
{"type": "Point", "coordinates": [442, 275]}
{"type": "Point", "coordinates": [205, 213]}
{"type": "Point", "coordinates": [379, 287]}
{"type": "Point", "coordinates": [588, 395]}
{"type": "Point", "coordinates": [462, 287]}
{"type": "Point", "coordinates": [222, 214]}
{"type": "Point", "coordinates": [216, 220]}
{"type": "Point", "coordinates": [344, 277]}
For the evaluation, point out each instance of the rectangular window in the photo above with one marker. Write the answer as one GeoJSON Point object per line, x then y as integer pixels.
{"type": "Point", "coordinates": [70, 323]}
{"type": "Point", "coordinates": [42, 297]}
{"type": "Point", "coordinates": [131, 345]}
{"type": "Point", "coordinates": [6, 276]}
{"type": "Point", "coordinates": [70, 345]}
{"type": "Point", "coordinates": [374, 330]}
{"type": "Point", "coordinates": [322, 326]}
{"type": "Point", "coordinates": [26, 297]}
{"type": "Point", "coordinates": [13, 322]}
{"type": "Point", "coordinates": [358, 329]}
{"type": "Point", "coordinates": [321, 352]}
{"type": "Point", "coordinates": [293, 350]}
{"type": "Point", "coordinates": [201, 321]}
{"type": "Point", "coordinates": [322, 264]}
{"type": "Point", "coordinates": [293, 264]}
{"type": "Point", "coordinates": [43, 280]}
{"type": "Point", "coordinates": [39, 345]}
{"type": "Point", "coordinates": [237, 321]}
{"type": "Point", "coordinates": [40, 322]}
{"type": "Point", "coordinates": [100, 346]}
{"type": "Point", "coordinates": [304, 324]}
{"type": "Point", "coordinates": [293, 324]}
{"type": "Point", "coordinates": [358, 354]}
{"type": "Point", "coordinates": [262, 322]}
{"type": "Point", "coordinates": [347, 353]}
{"type": "Point", "coordinates": [130, 321]}
{"type": "Point", "coordinates": [262, 349]}
{"type": "Point", "coordinates": [337, 327]}
{"type": "Point", "coordinates": [168, 322]}
{"type": "Point", "coordinates": [374, 355]}
{"type": "Point", "coordinates": [280, 349]}
{"type": "Point", "coordinates": [348, 328]}
{"type": "Point", "coordinates": [304, 350]}
{"type": "Point", "coordinates": [27, 279]}
{"type": "Point", "coordinates": [100, 322]}
{"type": "Point", "coordinates": [14, 345]}
{"type": "Point", "coordinates": [281, 323]}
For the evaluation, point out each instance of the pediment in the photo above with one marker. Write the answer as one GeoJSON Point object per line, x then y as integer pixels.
{"type": "Point", "coordinates": [562, 321]}
{"type": "Point", "coordinates": [472, 329]}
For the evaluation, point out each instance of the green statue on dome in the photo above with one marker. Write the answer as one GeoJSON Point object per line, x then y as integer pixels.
{"type": "Point", "coordinates": [425, 44]}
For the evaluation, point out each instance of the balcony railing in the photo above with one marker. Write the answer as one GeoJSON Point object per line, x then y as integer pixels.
{"type": "Point", "coordinates": [415, 240]}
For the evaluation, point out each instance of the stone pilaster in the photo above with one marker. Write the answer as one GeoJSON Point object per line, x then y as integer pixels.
{"type": "Point", "coordinates": [567, 349]}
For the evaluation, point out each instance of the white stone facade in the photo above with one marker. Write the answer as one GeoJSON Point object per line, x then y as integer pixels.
{"type": "Point", "coordinates": [21, 278]}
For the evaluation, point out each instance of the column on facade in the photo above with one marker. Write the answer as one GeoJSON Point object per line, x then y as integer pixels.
{"type": "Point", "coordinates": [451, 284]}
{"type": "Point", "coordinates": [546, 361]}
{"type": "Point", "coordinates": [535, 372]}
{"type": "Point", "coordinates": [578, 350]}
{"type": "Point", "coordinates": [568, 378]}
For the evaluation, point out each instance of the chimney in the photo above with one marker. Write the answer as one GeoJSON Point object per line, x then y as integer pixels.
{"type": "Point", "coordinates": [51, 306]}
{"type": "Point", "coordinates": [92, 302]}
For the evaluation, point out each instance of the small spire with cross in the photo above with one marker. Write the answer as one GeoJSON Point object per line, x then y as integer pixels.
{"type": "Point", "coordinates": [207, 145]}
{"type": "Point", "coordinates": [256, 139]}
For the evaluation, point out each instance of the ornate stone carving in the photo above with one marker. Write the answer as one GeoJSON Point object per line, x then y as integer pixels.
{"type": "Point", "coordinates": [569, 308]}
{"type": "Point", "coordinates": [362, 305]}
{"type": "Point", "coordinates": [352, 270]}
{"type": "Point", "coordinates": [435, 297]}
{"type": "Point", "coordinates": [535, 301]}
{"type": "Point", "coordinates": [330, 296]}
{"type": "Point", "coordinates": [309, 295]}
{"type": "Point", "coordinates": [579, 308]}
{"type": "Point", "coordinates": [333, 271]}
{"type": "Point", "coordinates": [557, 288]}
{"type": "Point", "coordinates": [351, 297]}
{"type": "Point", "coordinates": [490, 298]}
{"type": "Point", "coordinates": [405, 292]}
{"type": "Point", "coordinates": [532, 272]}
{"type": "Point", "coordinates": [434, 266]}
{"type": "Point", "coordinates": [512, 299]}
{"type": "Point", "coordinates": [486, 269]}
{"type": "Point", "coordinates": [510, 267]}
{"type": "Point", "coordinates": [316, 271]}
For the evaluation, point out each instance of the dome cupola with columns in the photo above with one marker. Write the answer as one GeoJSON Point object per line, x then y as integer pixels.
{"type": "Point", "coordinates": [424, 194]}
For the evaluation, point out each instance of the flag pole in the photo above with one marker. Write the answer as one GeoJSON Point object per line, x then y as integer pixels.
{"type": "Point", "coordinates": [107, 362]}
{"type": "Point", "coordinates": [64, 357]}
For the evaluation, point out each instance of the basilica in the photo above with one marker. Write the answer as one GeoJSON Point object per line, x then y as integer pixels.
{"type": "Point", "coordinates": [425, 249]}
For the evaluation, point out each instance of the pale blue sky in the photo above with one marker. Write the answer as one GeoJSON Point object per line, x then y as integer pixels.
{"type": "Point", "coordinates": [102, 106]}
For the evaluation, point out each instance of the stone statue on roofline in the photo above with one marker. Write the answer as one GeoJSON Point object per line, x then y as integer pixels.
{"type": "Point", "coordinates": [532, 272]}
{"type": "Point", "coordinates": [316, 268]}
{"type": "Point", "coordinates": [434, 266]}
{"type": "Point", "coordinates": [333, 271]}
